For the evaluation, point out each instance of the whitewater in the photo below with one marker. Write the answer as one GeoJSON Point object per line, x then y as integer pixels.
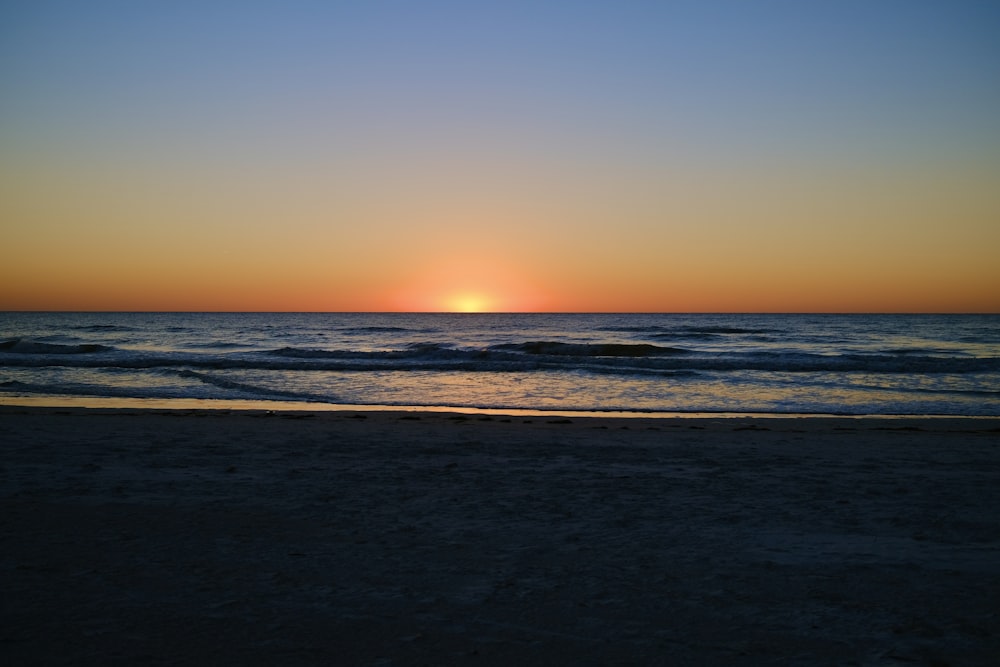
{"type": "Point", "coordinates": [631, 363]}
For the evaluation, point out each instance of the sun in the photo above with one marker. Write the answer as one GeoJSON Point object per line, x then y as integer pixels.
{"type": "Point", "coordinates": [468, 303]}
{"type": "Point", "coordinates": [467, 284]}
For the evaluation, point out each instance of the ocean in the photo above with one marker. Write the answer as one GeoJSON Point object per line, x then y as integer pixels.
{"type": "Point", "coordinates": [565, 363]}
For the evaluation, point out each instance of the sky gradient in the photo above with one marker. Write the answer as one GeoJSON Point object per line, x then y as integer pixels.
{"type": "Point", "coordinates": [556, 156]}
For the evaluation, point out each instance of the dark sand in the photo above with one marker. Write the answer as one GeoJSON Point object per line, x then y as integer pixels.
{"type": "Point", "coordinates": [155, 537]}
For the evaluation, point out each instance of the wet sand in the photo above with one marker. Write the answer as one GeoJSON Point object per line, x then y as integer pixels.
{"type": "Point", "coordinates": [390, 538]}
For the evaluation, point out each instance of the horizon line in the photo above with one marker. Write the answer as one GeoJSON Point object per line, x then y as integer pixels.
{"type": "Point", "coordinates": [515, 312]}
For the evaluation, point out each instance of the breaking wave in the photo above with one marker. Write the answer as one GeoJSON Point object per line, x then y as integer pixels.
{"type": "Point", "coordinates": [114, 328]}
{"type": "Point", "coordinates": [660, 332]}
{"type": "Point", "coordinates": [555, 348]}
{"type": "Point", "coordinates": [255, 390]}
{"type": "Point", "coordinates": [640, 358]}
{"type": "Point", "coordinates": [21, 346]}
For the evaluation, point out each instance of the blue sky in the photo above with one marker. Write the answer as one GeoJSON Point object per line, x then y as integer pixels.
{"type": "Point", "coordinates": [662, 67]}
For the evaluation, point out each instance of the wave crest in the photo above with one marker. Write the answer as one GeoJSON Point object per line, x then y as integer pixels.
{"type": "Point", "coordinates": [555, 348]}
{"type": "Point", "coordinates": [21, 346]}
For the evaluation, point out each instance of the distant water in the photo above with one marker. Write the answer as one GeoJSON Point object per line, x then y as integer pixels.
{"type": "Point", "coordinates": [840, 364]}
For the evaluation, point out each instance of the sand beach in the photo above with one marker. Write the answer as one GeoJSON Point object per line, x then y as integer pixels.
{"type": "Point", "coordinates": [405, 538]}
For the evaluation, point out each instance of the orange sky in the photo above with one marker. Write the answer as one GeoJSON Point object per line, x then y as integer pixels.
{"type": "Point", "coordinates": [623, 161]}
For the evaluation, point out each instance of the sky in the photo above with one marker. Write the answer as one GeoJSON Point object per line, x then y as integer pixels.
{"type": "Point", "coordinates": [620, 155]}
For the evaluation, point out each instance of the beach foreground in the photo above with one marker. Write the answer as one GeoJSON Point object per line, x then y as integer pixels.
{"type": "Point", "coordinates": [378, 538]}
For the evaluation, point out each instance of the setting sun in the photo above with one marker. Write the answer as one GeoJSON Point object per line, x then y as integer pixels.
{"type": "Point", "coordinates": [468, 303]}
{"type": "Point", "coordinates": [470, 284]}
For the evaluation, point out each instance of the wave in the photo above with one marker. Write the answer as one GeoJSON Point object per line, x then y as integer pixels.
{"type": "Point", "coordinates": [373, 329]}
{"type": "Point", "coordinates": [265, 395]}
{"type": "Point", "coordinates": [689, 331]}
{"type": "Point", "coordinates": [525, 356]}
{"type": "Point", "coordinates": [256, 390]}
{"type": "Point", "coordinates": [217, 345]}
{"type": "Point", "coordinates": [21, 346]}
{"type": "Point", "coordinates": [411, 351]}
{"type": "Point", "coordinates": [688, 335]}
{"type": "Point", "coordinates": [913, 351]}
{"type": "Point", "coordinates": [114, 328]}
{"type": "Point", "coordinates": [102, 391]}
{"type": "Point", "coordinates": [556, 348]}
{"type": "Point", "coordinates": [240, 390]}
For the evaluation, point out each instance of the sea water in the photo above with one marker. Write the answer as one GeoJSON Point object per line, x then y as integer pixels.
{"type": "Point", "coordinates": [638, 363]}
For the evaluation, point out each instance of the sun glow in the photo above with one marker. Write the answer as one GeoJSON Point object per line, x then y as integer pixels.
{"type": "Point", "coordinates": [468, 303]}
{"type": "Point", "coordinates": [469, 285]}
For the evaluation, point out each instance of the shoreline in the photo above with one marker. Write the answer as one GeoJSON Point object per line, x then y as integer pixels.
{"type": "Point", "coordinates": [399, 537]}
{"type": "Point", "coordinates": [241, 405]}
{"type": "Point", "coordinates": [626, 420]}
